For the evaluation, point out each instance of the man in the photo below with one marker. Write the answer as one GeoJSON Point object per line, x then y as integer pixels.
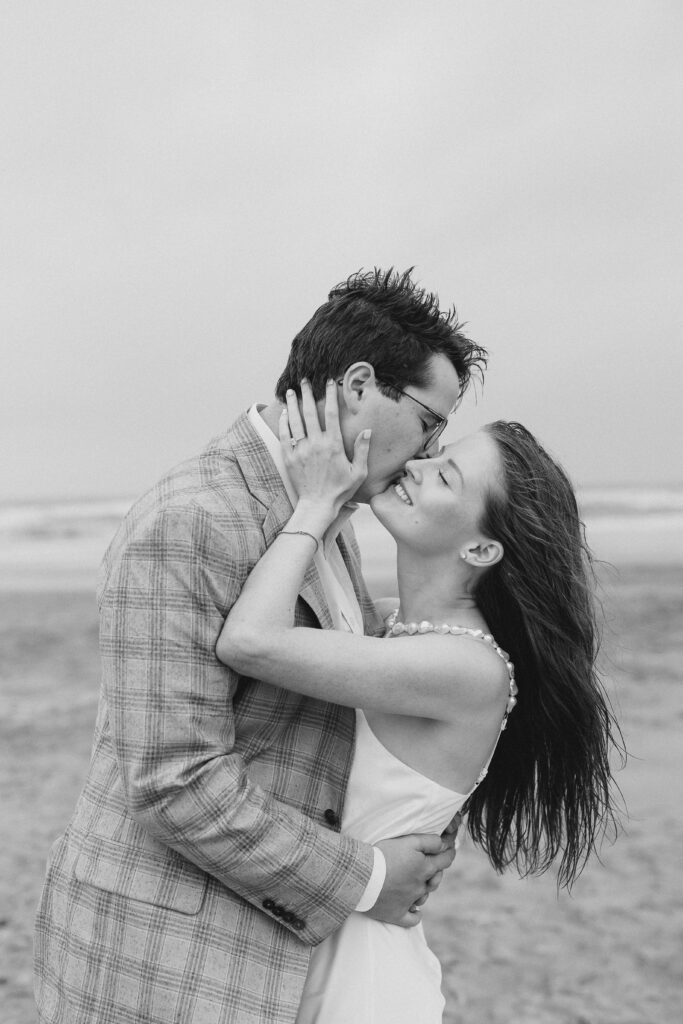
{"type": "Point", "coordinates": [204, 857]}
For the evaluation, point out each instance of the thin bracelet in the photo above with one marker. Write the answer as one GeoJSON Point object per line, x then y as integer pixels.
{"type": "Point", "coordinates": [302, 533]}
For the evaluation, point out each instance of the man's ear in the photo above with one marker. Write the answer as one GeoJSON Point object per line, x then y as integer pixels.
{"type": "Point", "coordinates": [483, 555]}
{"type": "Point", "coordinates": [355, 382]}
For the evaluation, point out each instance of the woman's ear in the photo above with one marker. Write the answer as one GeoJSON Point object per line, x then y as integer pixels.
{"type": "Point", "coordinates": [483, 555]}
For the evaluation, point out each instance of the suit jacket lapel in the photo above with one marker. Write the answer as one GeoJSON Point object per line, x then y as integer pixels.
{"type": "Point", "coordinates": [373, 624]}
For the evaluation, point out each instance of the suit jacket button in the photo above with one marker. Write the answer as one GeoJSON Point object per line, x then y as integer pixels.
{"type": "Point", "coordinates": [331, 817]}
{"type": "Point", "coordinates": [298, 924]}
{"type": "Point", "coordinates": [269, 905]}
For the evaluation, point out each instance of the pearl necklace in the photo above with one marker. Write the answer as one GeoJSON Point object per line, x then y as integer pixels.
{"type": "Point", "coordinates": [395, 628]}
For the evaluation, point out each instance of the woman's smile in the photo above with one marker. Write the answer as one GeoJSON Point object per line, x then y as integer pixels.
{"type": "Point", "coordinates": [400, 490]}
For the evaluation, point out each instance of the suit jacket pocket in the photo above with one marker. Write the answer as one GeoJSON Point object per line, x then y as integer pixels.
{"type": "Point", "coordinates": [162, 878]}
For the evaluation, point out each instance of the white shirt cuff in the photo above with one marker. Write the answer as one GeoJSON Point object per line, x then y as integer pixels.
{"type": "Point", "coordinates": [374, 886]}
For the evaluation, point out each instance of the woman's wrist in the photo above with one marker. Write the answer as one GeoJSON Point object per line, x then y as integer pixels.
{"type": "Point", "coordinates": [312, 517]}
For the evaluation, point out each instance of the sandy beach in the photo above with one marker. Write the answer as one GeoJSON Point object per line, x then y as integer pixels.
{"type": "Point", "coordinates": [511, 949]}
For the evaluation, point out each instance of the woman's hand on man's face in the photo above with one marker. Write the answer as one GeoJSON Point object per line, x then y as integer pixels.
{"type": "Point", "coordinates": [315, 458]}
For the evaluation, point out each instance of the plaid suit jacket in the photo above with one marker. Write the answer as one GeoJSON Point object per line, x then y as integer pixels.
{"type": "Point", "coordinates": [204, 856]}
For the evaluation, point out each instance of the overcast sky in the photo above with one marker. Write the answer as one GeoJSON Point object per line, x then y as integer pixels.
{"type": "Point", "coordinates": [182, 184]}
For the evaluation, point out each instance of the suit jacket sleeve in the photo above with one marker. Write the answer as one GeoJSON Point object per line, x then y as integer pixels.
{"type": "Point", "coordinates": [172, 720]}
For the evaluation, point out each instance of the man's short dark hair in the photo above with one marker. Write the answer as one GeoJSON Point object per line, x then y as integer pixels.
{"type": "Point", "coordinates": [381, 317]}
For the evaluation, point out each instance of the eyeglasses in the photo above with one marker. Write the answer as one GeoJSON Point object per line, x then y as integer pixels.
{"type": "Point", "coordinates": [431, 433]}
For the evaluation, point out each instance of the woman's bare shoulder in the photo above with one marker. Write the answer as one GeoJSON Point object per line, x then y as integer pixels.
{"type": "Point", "coordinates": [482, 674]}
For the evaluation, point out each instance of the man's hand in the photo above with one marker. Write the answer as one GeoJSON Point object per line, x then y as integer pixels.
{"type": "Point", "coordinates": [453, 827]}
{"type": "Point", "coordinates": [415, 866]}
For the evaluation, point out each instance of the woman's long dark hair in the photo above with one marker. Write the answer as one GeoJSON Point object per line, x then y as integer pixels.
{"type": "Point", "coordinates": [548, 791]}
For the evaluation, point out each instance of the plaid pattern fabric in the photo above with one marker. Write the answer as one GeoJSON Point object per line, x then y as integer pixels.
{"type": "Point", "coordinates": [199, 866]}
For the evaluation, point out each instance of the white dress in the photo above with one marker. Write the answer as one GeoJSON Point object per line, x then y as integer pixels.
{"type": "Point", "coordinates": [368, 972]}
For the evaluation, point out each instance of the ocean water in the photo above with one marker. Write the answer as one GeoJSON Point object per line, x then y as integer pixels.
{"type": "Point", "coordinates": [59, 544]}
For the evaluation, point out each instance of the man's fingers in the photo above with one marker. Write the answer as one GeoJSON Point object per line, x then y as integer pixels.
{"type": "Point", "coordinates": [434, 882]}
{"type": "Point", "coordinates": [439, 862]}
{"type": "Point", "coordinates": [453, 825]}
{"type": "Point", "coordinates": [415, 865]}
{"type": "Point", "coordinates": [449, 839]}
{"type": "Point", "coordinates": [439, 853]}
{"type": "Point", "coordinates": [430, 843]}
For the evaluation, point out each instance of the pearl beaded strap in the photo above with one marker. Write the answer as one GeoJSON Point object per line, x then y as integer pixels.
{"type": "Point", "coordinates": [395, 628]}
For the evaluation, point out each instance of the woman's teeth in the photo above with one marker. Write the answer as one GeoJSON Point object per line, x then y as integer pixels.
{"type": "Point", "coordinates": [401, 492]}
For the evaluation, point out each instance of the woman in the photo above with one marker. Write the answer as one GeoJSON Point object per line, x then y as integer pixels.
{"type": "Point", "coordinates": [489, 545]}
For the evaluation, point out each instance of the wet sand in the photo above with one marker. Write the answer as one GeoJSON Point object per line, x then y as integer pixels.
{"type": "Point", "coordinates": [511, 949]}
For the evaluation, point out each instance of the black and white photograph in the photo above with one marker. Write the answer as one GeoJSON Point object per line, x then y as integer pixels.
{"type": "Point", "coordinates": [341, 512]}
